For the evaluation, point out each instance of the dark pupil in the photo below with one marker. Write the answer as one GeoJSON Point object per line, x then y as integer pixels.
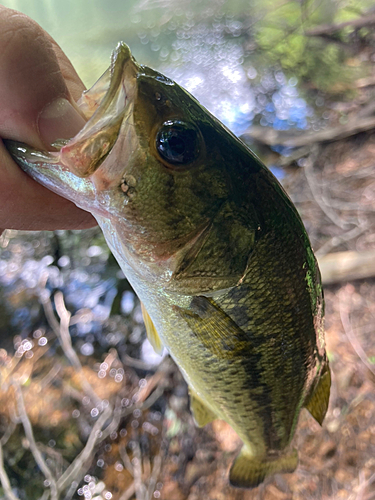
{"type": "Point", "coordinates": [178, 143]}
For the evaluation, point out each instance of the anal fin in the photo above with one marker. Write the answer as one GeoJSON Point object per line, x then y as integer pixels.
{"type": "Point", "coordinates": [249, 471]}
{"type": "Point", "coordinates": [201, 414]}
{"type": "Point", "coordinates": [317, 402]}
{"type": "Point", "coordinates": [152, 334]}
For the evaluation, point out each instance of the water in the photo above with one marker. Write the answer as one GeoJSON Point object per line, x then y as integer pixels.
{"type": "Point", "coordinates": [203, 48]}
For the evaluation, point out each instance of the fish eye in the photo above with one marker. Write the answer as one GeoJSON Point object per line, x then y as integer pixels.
{"type": "Point", "coordinates": [178, 142]}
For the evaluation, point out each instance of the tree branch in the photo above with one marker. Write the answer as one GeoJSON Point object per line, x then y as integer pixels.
{"type": "Point", "coordinates": [345, 320]}
{"type": "Point", "coordinates": [33, 446]}
{"type": "Point", "coordinates": [271, 137]}
{"type": "Point", "coordinates": [4, 479]}
{"type": "Point", "coordinates": [75, 470]}
{"type": "Point", "coordinates": [329, 29]}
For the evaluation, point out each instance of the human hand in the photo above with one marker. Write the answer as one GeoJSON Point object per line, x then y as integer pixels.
{"type": "Point", "coordinates": [38, 88]}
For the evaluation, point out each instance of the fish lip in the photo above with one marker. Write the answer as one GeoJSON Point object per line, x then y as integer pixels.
{"type": "Point", "coordinates": [84, 154]}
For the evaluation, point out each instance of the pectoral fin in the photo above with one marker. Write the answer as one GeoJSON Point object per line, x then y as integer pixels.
{"type": "Point", "coordinates": [249, 471]}
{"type": "Point", "coordinates": [152, 334]}
{"type": "Point", "coordinates": [317, 402]}
{"type": "Point", "coordinates": [201, 414]}
{"type": "Point", "coordinates": [214, 328]}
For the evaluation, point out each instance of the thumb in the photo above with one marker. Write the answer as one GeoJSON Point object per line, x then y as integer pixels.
{"type": "Point", "coordinates": [35, 103]}
{"type": "Point", "coordinates": [35, 108]}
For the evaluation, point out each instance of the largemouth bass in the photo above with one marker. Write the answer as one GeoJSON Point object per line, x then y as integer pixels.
{"type": "Point", "coordinates": [214, 248]}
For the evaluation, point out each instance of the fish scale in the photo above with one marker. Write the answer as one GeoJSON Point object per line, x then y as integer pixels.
{"type": "Point", "coordinates": [213, 247]}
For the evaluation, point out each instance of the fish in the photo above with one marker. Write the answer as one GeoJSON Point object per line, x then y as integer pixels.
{"type": "Point", "coordinates": [214, 248]}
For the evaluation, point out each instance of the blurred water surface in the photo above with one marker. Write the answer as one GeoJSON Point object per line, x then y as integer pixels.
{"type": "Point", "coordinates": [206, 47]}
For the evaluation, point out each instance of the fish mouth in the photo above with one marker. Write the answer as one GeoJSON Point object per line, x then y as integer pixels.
{"type": "Point", "coordinates": [84, 154]}
{"type": "Point", "coordinates": [106, 106]}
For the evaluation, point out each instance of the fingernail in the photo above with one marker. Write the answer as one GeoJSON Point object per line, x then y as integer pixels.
{"type": "Point", "coordinates": [59, 120]}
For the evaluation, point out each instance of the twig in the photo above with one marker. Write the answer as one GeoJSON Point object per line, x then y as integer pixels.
{"type": "Point", "coordinates": [33, 446]}
{"type": "Point", "coordinates": [11, 427]}
{"type": "Point", "coordinates": [63, 335]}
{"type": "Point", "coordinates": [60, 462]}
{"type": "Point", "coordinates": [45, 495]}
{"type": "Point", "coordinates": [128, 493]}
{"type": "Point", "coordinates": [158, 392]}
{"type": "Point", "coordinates": [126, 460]}
{"type": "Point", "coordinates": [51, 375]}
{"type": "Point", "coordinates": [140, 490]}
{"type": "Point", "coordinates": [335, 241]}
{"type": "Point", "coordinates": [135, 468]}
{"type": "Point", "coordinates": [137, 363]}
{"type": "Point", "coordinates": [113, 425]}
{"type": "Point", "coordinates": [331, 214]}
{"type": "Point", "coordinates": [345, 320]}
{"type": "Point", "coordinates": [74, 471]}
{"type": "Point", "coordinates": [154, 475]}
{"type": "Point", "coordinates": [72, 489]}
{"type": "Point", "coordinates": [338, 267]}
{"type": "Point", "coordinates": [329, 29]}
{"type": "Point", "coordinates": [271, 137]}
{"type": "Point", "coordinates": [4, 479]}
{"type": "Point", "coordinates": [364, 485]}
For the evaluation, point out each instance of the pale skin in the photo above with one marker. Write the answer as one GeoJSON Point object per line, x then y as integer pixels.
{"type": "Point", "coordinates": [38, 90]}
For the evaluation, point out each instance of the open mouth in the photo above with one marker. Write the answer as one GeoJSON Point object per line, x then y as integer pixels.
{"type": "Point", "coordinates": [106, 106]}
{"type": "Point", "coordinates": [107, 102]}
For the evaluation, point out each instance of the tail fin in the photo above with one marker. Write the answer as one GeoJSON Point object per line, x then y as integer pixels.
{"type": "Point", "coordinates": [248, 471]}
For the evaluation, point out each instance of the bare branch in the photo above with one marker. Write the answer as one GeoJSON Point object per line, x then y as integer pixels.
{"type": "Point", "coordinates": [364, 485]}
{"type": "Point", "coordinates": [158, 392]}
{"type": "Point", "coordinates": [128, 493]}
{"type": "Point", "coordinates": [51, 375]}
{"type": "Point", "coordinates": [140, 489]}
{"type": "Point", "coordinates": [33, 446]}
{"type": "Point", "coordinates": [316, 191]}
{"type": "Point", "coordinates": [137, 363]}
{"type": "Point", "coordinates": [154, 476]}
{"type": "Point", "coordinates": [126, 460]}
{"type": "Point", "coordinates": [45, 495]}
{"type": "Point", "coordinates": [66, 343]}
{"type": "Point", "coordinates": [271, 137]}
{"type": "Point", "coordinates": [346, 266]}
{"type": "Point", "coordinates": [114, 424]}
{"type": "Point", "coordinates": [345, 320]}
{"type": "Point", "coordinates": [4, 479]}
{"type": "Point", "coordinates": [11, 427]}
{"type": "Point", "coordinates": [76, 469]}
{"type": "Point", "coordinates": [329, 29]}
{"type": "Point", "coordinates": [335, 241]}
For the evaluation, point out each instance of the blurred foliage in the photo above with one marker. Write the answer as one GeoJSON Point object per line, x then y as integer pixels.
{"type": "Point", "coordinates": [319, 62]}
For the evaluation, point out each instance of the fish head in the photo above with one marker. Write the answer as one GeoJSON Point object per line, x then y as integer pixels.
{"type": "Point", "coordinates": [151, 164]}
